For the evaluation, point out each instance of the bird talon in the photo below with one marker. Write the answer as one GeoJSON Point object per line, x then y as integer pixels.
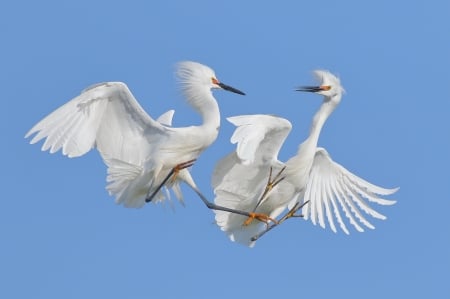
{"type": "Point", "coordinates": [184, 165]}
{"type": "Point", "coordinates": [259, 216]}
{"type": "Point", "coordinates": [180, 167]}
{"type": "Point", "coordinates": [291, 212]}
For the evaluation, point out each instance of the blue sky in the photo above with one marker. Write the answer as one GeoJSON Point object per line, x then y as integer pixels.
{"type": "Point", "coordinates": [63, 236]}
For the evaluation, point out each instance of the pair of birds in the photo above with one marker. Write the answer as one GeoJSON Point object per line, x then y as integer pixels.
{"type": "Point", "coordinates": [253, 188]}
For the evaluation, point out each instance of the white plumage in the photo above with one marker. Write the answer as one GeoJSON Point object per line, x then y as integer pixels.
{"type": "Point", "coordinates": [139, 151]}
{"type": "Point", "coordinates": [311, 175]}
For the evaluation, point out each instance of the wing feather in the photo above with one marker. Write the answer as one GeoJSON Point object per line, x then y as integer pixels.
{"type": "Point", "coordinates": [345, 200]}
{"type": "Point", "coordinates": [336, 211]}
{"type": "Point", "coordinates": [314, 200]}
{"type": "Point", "coordinates": [106, 116]}
{"type": "Point", "coordinates": [306, 210]}
{"type": "Point", "coordinates": [239, 178]}
{"type": "Point", "coordinates": [166, 118]}
{"type": "Point", "coordinates": [328, 199]}
{"type": "Point", "coordinates": [59, 139]}
{"type": "Point", "coordinates": [329, 182]}
{"type": "Point", "coordinates": [321, 196]}
{"type": "Point", "coordinates": [363, 204]}
{"type": "Point", "coordinates": [259, 137]}
{"type": "Point", "coordinates": [349, 200]}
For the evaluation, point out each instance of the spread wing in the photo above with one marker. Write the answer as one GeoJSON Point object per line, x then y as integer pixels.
{"type": "Point", "coordinates": [105, 116]}
{"type": "Point", "coordinates": [240, 177]}
{"type": "Point", "coordinates": [108, 117]}
{"type": "Point", "coordinates": [332, 188]}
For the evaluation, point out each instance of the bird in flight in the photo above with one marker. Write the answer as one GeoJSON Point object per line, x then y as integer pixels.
{"type": "Point", "coordinates": [142, 154]}
{"type": "Point", "coordinates": [252, 178]}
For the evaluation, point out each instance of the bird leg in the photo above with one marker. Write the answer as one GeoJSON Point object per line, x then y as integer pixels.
{"type": "Point", "coordinates": [212, 206]}
{"type": "Point", "coordinates": [172, 176]}
{"type": "Point", "coordinates": [174, 172]}
{"type": "Point", "coordinates": [269, 186]}
{"type": "Point", "coordinates": [290, 214]}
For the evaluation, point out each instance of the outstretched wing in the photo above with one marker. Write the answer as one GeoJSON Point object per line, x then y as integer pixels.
{"type": "Point", "coordinates": [105, 116]}
{"type": "Point", "coordinates": [240, 177]}
{"type": "Point", "coordinates": [108, 117]}
{"type": "Point", "coordinates": [332, 188]}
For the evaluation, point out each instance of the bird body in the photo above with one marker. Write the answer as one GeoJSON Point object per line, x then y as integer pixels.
{"type": "Point", "coordinates": [311, 176]}
{"type": "Point", "coordinates": [139, 151]}
{"type": "Point", "coordinates": [299, 166]}
{"type": "Point", "coordinates": [240, 177]}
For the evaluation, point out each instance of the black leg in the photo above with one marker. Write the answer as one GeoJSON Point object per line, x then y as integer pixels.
{"type": "Point", "coordinates": [261, 217]}
{"type": "Point", "coordinates": [171, 173]}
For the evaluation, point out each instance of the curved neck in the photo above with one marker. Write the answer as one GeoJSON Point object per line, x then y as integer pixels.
{"type": "Point", "coordinates": [211, 113]}
{"type": "Point", "coordinates": [319, 119]}
{"type": "Point", "coordinates": [203, 101]}
{"type": "Point", "coordinates": [299, 165]}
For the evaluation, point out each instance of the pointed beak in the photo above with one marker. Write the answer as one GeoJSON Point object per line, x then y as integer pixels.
{"type": "Point", "coordinates": [313, 88]}
{"type": "Point", "coordinates": [229, 88]}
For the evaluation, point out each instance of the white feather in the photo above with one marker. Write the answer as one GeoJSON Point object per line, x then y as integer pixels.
{"type": "Point", "coordinates": [139, 151]}
{"type": "Point", "coordinates": [310, 176]}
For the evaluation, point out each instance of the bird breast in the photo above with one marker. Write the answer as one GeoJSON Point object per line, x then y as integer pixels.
{"type": "Point", "coordinates": [189, 143]}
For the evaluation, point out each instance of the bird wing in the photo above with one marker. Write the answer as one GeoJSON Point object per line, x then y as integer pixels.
{"type": "Point", "coordinates": [236, 186]}
{"type": "Point", "coordinates": [166, 118]}
{"type": "Point", "coordinates": [240, 177]}
{"type": "Point", "coordinates": [259, 137]}
{"type": "Point", "coordinates": [332, 188]}
{"type": "Point", "coordinates": [105, 116]}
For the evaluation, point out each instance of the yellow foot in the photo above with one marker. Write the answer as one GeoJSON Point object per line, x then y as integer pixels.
{"type": "Point", "coordinates": [291, 212]}
{"type": "Point", "coordinates": [259, 216]}
{"type": "Point", "coordinates": [176, 170]}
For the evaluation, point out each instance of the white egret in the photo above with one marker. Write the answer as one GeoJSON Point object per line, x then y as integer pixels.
{"type": "Point", "coordinates": [310, 180]}
{"type": "Point", "coordinates": [142, 155]}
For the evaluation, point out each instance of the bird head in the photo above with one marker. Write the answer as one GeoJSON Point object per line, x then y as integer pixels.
{"type": "Point", "coordinates": [193, 75]}
{"type": "Point", "coordinates": [329, 85]}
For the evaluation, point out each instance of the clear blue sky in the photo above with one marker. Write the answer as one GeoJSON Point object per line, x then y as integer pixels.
{"type": "Point", "coordinates": [62, 236]}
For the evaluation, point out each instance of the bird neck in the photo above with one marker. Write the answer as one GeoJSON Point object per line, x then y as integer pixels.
{"type": "Point", "coordinates": [298, 167]}
{"type": "Point", "coordinates": [319, 119]}
{"type": "Point", "coordinates": [325, 110]}
{"type": "Point", "coordinates": [203, 101]}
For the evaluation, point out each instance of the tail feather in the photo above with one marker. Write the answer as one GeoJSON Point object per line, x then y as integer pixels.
{"type": "Point", "coordinates": [123, 179]}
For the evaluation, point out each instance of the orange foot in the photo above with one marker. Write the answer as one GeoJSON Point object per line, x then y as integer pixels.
{"type": "Point", "coordinates": [176, 170]}
{"type": "Point", "coordinates": [259, 216]}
